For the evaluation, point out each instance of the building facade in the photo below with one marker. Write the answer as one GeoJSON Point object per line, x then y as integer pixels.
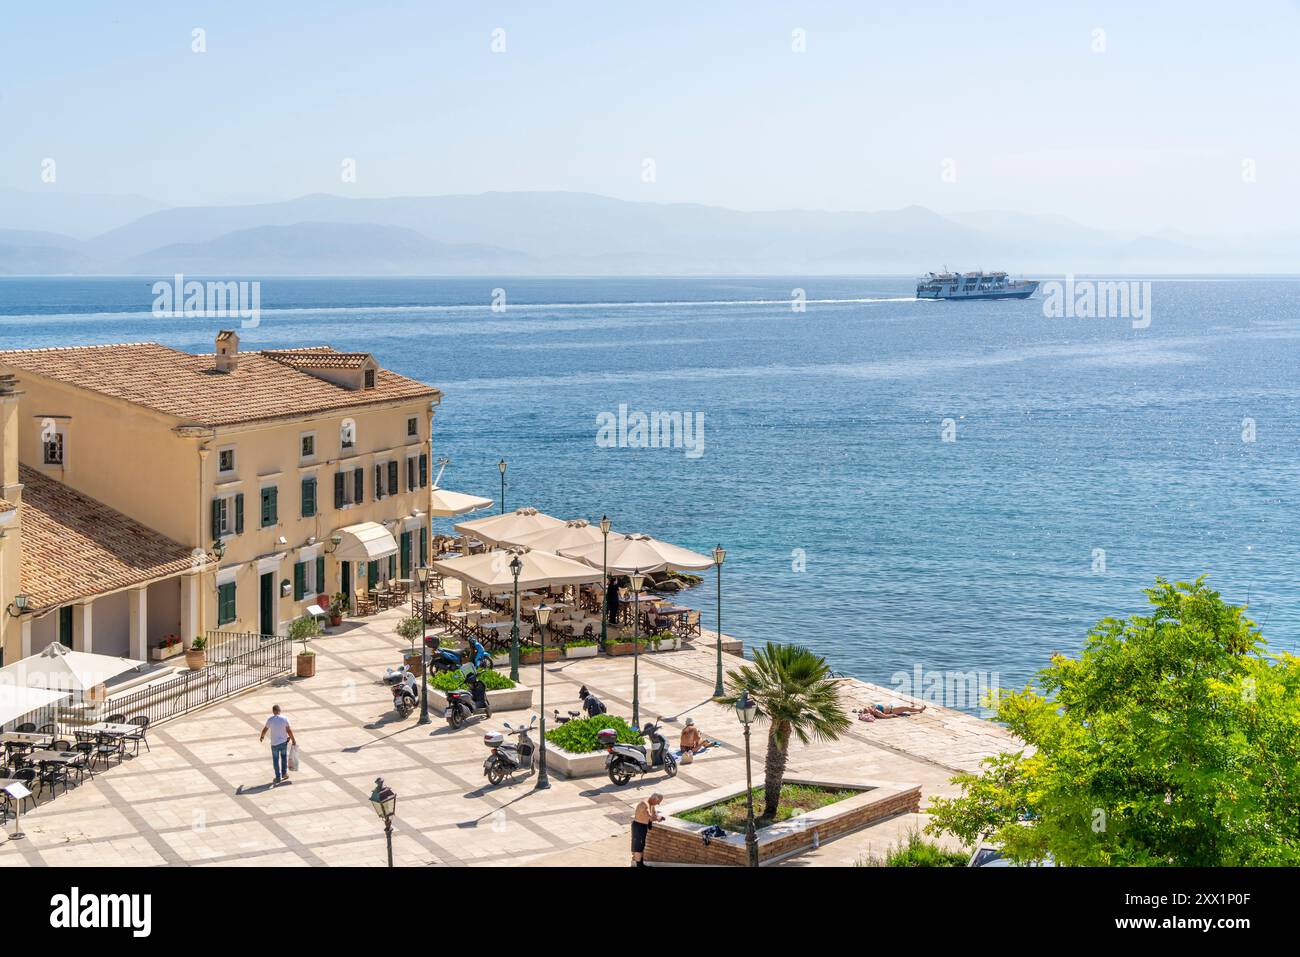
{"type": "Point", "coordinates": [287, 475]}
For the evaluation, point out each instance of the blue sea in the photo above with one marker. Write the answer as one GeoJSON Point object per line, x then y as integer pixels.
{"type": "Point", "coordinates": [1088, 456]}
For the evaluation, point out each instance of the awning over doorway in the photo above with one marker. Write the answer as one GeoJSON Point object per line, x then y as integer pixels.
{"type": "Point", "coordinates": [366, 542]}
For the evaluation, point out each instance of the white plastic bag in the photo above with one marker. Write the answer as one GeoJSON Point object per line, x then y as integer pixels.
{"type": "Point", "coordinates": [293, 757]}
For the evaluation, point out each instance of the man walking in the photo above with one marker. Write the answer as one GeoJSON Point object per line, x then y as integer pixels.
{"type": "Point", "coordinates": [281, 737]}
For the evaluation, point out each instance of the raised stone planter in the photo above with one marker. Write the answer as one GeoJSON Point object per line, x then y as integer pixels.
{"type": "Point", "coordinates": [569, 765]}
{"type": "Point", "coordinates": [162, 652]}
{"type": "Point", "coordinates": [675, 841]}
{"type": "Point", "coordinates": [506, 699]}
{"type": "Point", "coordinates": [534, 656]}
{"type": "Point", "coordinates": [582, 651]}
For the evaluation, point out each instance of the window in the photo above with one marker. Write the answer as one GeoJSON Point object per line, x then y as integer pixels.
{"type": "Point", "coordinates": [225, 460]}
{"type": "Point", "coordinates": [349, 487]}
{"type": "Point", "coordinates": [308, 578]}
{"type": "Point", "coordinates": [225, 603]}
{"type": "Point", "coordinates": [307, 445]}
{"type": "Point", "coordinates": [309, 497]}
{"type": "Point", "coordinates": [386, 477]}
{"type": "Point", "coordinates": [228, 515]}
{"type": "Point", "coordinates": [370, 378]}
{"type": "Point", "coordinates": [270, 505]}
{"type": "Point", "coordinates": [412, 475]}
{"type": "Point", "coordinates": [413, 426]}
{"type": "Point", "coordinates": [52, 448]}
{"type": "Point", "coordinates": [347, 434]}
{"type": "Point", "coordinates": [65, 625]}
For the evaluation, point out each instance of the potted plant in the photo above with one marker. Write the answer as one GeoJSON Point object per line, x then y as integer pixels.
{"type": "Point", "coordinates": [169, 647]}
{"type": "Point", "coordinates": [337, 606]}
{"type": "Point", "coordinates": [621, 645]}
{"type": "Point", "coordinates": [580, 648]}
{"type": "Point", "coordinates": [412, 629]}
{"type": "Point", "coordinates": [532, 654]}
{"type": "Point", "coordinates": [304, 629]}
{"type": "Point", "coordinates": [664, 641]}
{"type": "Point", "coordinates": [195, 656]}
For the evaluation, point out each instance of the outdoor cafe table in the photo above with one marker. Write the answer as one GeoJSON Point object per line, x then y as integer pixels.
{"type": "Point", "coordinates": [53, 757]}
{"type": "Point", "coordinates": [26, 737]}
{"type": "Point", "coordinates": [116, 730]}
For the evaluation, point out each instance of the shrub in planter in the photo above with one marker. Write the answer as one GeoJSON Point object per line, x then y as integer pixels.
{"type": "Point", "coordinates": [625, 646]}
{"type": "Point", "coordinates": [455, 681]}
{"type": "Point", "coordinates": [338, 605]}
{"type": "Point", "coordinates": [532, 655]}
{"type": "Point", "coordinates": [169, 647]}
{"type": "Point", "coordinates": [663, 641]}
{"type": "Point", "coordinates": [195, 656]}
{"type": "Point", "coordinates": [412, 629]}
{"type": "Point", "coordinates": [304, 629]}
{"type": "Point", "coordinates": [579, 735]}
{"type": "Point", "coordinates": [580, 648]}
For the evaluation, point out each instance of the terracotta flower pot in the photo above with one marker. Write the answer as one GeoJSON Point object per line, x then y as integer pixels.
{"type": "Point", "coordinates": [414, 662]}
{"type": "Point", "coordinates": [533, 657]}
{"type": "Point", "coordinates": [306, 666]}
{"type": "Point", "coordinates": [196, 659]}
{"type": "Point", "coordinates": [617, 648]}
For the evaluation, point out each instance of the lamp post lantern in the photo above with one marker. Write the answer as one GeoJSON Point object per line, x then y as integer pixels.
{"type": "Point", "coordinates": [423, 574]}
{"type": "Point", "coordinates": [637, 580]}
{"type": "Point", "coordinates": [516, 566]}
{"type": "Point", "coordinates": [604, 580]}
{"type": "Point", "coordinates": [384, 801]}
{"type": "Point", "coordinates": [543, 620]}
{"type": "Point", "coordinates": [746, 711]}
{"type": "Point", "coordinates": [501, 467]}
{"type": "Point", "coordinates": [719, 555]}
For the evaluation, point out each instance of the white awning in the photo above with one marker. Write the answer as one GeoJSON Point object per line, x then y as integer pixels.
{"type": "Point", "coordinates": [16, 701]}
{"type": "Point", "coordinates": [367, 542]}
{"type": "Point", "coordinates": [446, 503]}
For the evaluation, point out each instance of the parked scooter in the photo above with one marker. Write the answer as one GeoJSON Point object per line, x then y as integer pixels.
{"type": "Point", "coordinates": [625, 760]}
{"type": "Point", "coordinates": [393, 676]}
{"type": "Point", "coordinates": [470, 703]}
{"type": "Point", "coordinates": [506, 759]}
{"type": "Point", "coordinates": [444, 659]}
{"type": "Point", "coordinates": [406, 694]}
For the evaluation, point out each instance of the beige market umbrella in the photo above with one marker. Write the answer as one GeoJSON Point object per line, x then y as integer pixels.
{"type": "Point", "coordinates": [490, 571]}
{"type": "Point", "coordinates": [640, 553]}
{"type": "Point", "coordinates": [59, 668]}
{"type": "Point", "coordinates": [446, 503]}
{"type": "Point", "coordinates": [17, 701]}
{"type": "Point", "coordinates": [498, 529]}
{"type": "Point", "coordinates": [577, 533]}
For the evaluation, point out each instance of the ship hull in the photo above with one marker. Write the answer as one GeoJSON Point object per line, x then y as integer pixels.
{"type": "Point", "coordinates": [1024, 292]}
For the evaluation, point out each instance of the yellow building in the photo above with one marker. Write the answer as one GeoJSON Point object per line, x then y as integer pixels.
{"type": "Point", "coordinates": [284, 474]}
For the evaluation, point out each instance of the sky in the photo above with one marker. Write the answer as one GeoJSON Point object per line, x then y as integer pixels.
{"type": "Point", "coordinates": [1135, 116]}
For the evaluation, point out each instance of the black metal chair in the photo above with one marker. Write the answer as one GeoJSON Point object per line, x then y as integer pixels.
{"type": "Point", "coordinates": [49, 729]}
{"type": "Point", "coordinates": [85, 747]}
{"type": "Point", "coordinates": [115, 719]}
{"type": "Point", "coordinates": [26, 728]}
{"type": "Point", "coordinates": [141, 736]}
{"type": "Point", "coordinates": [53, 773]}
{"type": "Point", "coordinates": [28, 777]}
{"type": "Point", "coordinates": [106, 746]}
{"type": "Point", "coordinates": [61, 745]}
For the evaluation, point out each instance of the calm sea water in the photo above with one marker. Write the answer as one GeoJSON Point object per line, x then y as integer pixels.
{"type": "Point", "coordinates": [822, 439]}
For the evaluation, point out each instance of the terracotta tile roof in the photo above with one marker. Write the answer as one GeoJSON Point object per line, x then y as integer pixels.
{"type": "Point", "coordinates": [6, 506]}
{"type": "Point", "coordinates": [189, 388]}
{"type": "Point", "coordinates": [75, 547]}
{"type": "Point", "coordinates": [319, 358]}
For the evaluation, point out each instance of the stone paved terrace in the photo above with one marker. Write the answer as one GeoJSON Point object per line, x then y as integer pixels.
{"type": "Point", "coordinates": [203, 795]}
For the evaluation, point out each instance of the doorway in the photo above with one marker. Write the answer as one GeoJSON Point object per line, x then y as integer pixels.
{"type": "Point", "coordinates": [266, 603]}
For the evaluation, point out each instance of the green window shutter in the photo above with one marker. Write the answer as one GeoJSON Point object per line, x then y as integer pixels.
{"type": "Point", "coordinates": [216, 519]}
{"type": "Point", "coordinates": [379, 482]}
{"type": "Point", "coordinates": [424, 547]}
{"type": "Point", "coordinates": [239, 514]}
{"type": "Point", "coordinates": [225, 603]}
{"type": "Point", "coordinates": [339, 479]}
{"type": "Point", "coordinates": [424, 469]}
{"type": "Point", "coordinates": [309, 497]}
{"type": "Point", "coordinates": [299, 580]}
{"type": "Point", "coordinates": [65, 625]}
{"type": "Point", "coordinates": [372, 574]}
{"type": "Point", "coordinates": [405, 549]}
{"type": "Point", "coordinates": [410, 474]}
{"type": "Point", "coordinates": [392, 478]}
{"type": "Point", "coordinates": [270, 505]}
{"type": "Point", "coordinates": [320, 576]}
{"type": "Point", "coordinates": [359, 483]}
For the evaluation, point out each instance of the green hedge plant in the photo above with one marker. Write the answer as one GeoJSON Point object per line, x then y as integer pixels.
{"type": "Point", "coordinates": [579, 735]}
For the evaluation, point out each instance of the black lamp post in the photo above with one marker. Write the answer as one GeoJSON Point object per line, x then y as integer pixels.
{"type": "Point", "coordinates": [423, 574]}
{"type": "Point", "coordinates": [384, 801]}
{"type": "Point", "coordinates": [637, 580]}
{"type": "Point", "coordinates": [516, 566]}
{"type": "Point", "coordinates": [604, 592]}
{"type": "Point", "coordinates": [501, 467]}
{"type": "Point", "coordinates": [543, 782]}
{"type": "Point", "coordinates": [719, 555]}
{"type": "Point", "coordinates": [746, 711]}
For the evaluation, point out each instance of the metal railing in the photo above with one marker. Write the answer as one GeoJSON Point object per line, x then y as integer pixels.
{"type": "Point", "coordinates": [235, 662]}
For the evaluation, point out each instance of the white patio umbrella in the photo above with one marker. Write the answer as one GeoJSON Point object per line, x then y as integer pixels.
{"type": "Point", "coordinates": [490, 570]}
{"type": "Point", "coordinates": [446, 503]}
{"type": "Point", "coordinates": [576, 533]}
{"type": "Point", "coordinates": [497, 529]}
{"type": "Point", "coordinates": [17, 700]}
{"type": "Point", "coordinates": [640, 553]}
{"type": "Point", "coordinates": [59, 668]}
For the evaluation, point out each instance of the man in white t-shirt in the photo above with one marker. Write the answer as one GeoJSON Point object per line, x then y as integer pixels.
{"type": "Point", "coordinates": [281, 737]}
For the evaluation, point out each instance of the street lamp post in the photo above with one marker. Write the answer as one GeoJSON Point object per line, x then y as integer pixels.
{"type": "Point", "coordinates": [604, 592]}
{"type": "Point", "coordinates": [637, 579]}
{"type": "Point", "coordinates": [423, 574]}
{"type": "Point", "coordinates": [384, 801]}
{"type": "Point", "coordinates": [516, 566]}
{"type": "Point", "coordinates": [501, 467]}
{"type": "Point", "coordinates": [543, 782]}
{"type": "Point", "coordinates": [746, 711]}
{"type": "Point", "coordinates": [719, 555]}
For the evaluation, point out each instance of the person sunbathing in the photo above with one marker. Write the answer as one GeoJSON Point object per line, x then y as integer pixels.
{"type": "Point", "coordinates": [875, 712]}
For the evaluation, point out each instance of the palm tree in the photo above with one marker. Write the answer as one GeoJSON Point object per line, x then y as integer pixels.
{"type": "Point", "coordinates": [794, 690]}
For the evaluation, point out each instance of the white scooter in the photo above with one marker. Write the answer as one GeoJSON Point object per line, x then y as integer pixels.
{"type": "Point", "coordinates": [506, 759]}
{"type": "Point", "coordinates": [406, 694]}
{"type": "Point", "coordinates": [625, 760]}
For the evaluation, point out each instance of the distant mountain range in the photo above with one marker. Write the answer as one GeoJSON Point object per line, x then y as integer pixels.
{"type": "Point", "coordinates": [555, 233]}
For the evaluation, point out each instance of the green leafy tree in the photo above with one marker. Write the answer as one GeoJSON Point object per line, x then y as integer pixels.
{"type": "Point", "coordinates": [1172, 740]}
{"type": "Point", "coordinates": [794, 690]}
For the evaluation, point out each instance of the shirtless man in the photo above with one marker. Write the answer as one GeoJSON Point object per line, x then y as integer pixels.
{"type": "Point", "coordinates": [642, 820]}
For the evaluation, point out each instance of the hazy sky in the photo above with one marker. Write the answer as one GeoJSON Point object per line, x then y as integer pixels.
{"type": "Point", "coordinates": [1152, 132]}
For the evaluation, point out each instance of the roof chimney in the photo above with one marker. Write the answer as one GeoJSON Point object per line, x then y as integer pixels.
{"type": "Point", "coordinates": [227, 350]}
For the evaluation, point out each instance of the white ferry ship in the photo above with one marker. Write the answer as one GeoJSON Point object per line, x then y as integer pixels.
{"type": "Point", "coordinates": [973, 285]}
